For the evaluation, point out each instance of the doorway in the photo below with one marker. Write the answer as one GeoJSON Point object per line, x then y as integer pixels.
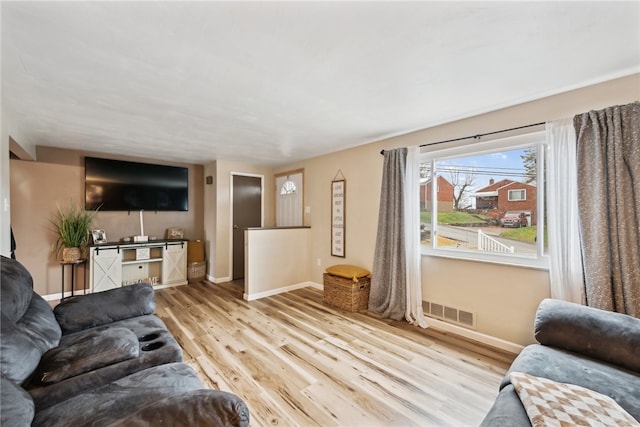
{"type": "Point", "coordinates": [246, 205]}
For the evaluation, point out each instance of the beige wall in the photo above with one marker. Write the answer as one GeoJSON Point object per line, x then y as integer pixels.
{"type": "Point", "coordinates": [503, 297]}
{"type": "Point", "coordinates": [218, 213]}
{"type": "Point", "coordinates": [57, 179]}
{"type": "Point", "coordinates": [276, 259]}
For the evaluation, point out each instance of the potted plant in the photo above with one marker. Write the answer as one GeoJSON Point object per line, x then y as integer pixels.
{"type": "Point", "coordinates": [72, 226]}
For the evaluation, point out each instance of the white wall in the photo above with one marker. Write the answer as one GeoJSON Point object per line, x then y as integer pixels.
{"type": "Point", "coordinates": [276, 259]}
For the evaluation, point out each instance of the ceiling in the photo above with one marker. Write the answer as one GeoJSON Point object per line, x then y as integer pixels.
{"type": "Point", "coordinates": [276, 82]}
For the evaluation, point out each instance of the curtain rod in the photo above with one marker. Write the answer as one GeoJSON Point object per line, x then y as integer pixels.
{"type": "Point", "coordinates": [478, 136]}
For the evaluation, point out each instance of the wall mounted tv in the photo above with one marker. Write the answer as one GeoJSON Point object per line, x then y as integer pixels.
{"type": "Point", "coordinates": [116, 185]}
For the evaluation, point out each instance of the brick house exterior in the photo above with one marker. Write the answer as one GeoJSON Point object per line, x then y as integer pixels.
{"type": "Point", "coordinates": [507, 195]}
{"type": "Point", "coordinates": [444, 195]}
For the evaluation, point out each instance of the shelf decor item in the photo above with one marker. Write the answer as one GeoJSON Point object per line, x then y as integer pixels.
{"type": "Point", "coordinates": [72, 225]}
{"type": "Point", "coordinates": [99, 237]}
{"type": "Point", "coordinates": [175, 233]}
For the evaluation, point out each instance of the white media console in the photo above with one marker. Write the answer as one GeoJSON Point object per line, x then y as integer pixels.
{"type": "Point", "coordinates": [162, 263]}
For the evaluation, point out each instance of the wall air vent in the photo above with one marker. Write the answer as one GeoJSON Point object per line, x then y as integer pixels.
{"type": "Point", "coordinates": [449, 314]}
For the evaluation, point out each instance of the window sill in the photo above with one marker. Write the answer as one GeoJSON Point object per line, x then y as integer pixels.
{"type": "Point", "coordinates": [510, 260]}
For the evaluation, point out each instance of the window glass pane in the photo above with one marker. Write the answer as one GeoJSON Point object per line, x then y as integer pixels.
{"type": "Point", "coordinates": [289, 187]}
{"type": "Point", "coordinates": [484, 202]}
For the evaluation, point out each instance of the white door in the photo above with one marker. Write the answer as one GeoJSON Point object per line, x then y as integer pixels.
{"type": "Point", "coordinates": [106, 269]}
{"type": "Point", "coordinates": [289, 196]}
{"type": "Point", "coordinates": [174, 263]}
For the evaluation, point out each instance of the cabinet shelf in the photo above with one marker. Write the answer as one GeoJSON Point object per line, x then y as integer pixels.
{"type": "Point", "coordinates": [139, 261]}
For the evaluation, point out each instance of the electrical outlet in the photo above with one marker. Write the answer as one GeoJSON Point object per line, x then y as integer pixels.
{"type": "Point", "coordinates": [319, 262]}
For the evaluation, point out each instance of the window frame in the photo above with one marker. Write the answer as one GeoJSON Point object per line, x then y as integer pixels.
{"type": "Point", "coordinates": [538, 139]}
{"type": "Point", "coordinates": [523, 199]}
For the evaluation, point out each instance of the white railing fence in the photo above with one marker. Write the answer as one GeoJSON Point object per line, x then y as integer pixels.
{"type": "Point", "coordinates": [489, 244]}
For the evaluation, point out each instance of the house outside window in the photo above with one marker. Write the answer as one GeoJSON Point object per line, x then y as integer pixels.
{"type": "Point", "coordinates": [465, 211]}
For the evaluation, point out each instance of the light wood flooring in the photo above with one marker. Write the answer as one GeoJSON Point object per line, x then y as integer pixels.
{"type": "Point", "coordinates": [298, 362]}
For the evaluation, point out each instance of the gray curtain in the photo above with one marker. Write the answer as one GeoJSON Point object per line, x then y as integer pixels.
{"type": "Point", "coordinates": [388, 292]}
{"type": "Point", "coordinates": [608, 155]}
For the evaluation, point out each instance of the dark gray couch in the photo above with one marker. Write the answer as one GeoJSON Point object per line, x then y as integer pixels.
{"type": "Point", "coordinates": [98, 359]}
{"type": "Point", "coordinates": [595, 349]}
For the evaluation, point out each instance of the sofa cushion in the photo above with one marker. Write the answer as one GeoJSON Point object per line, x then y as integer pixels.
{"type": "Point", "coordinates": [106, 307]}
{"type": "Point", "coordinates": [17, 408]}
{"type": "Point", "coordinates": [549, 402]}
{"type": "Point", "coordinates": [22, 343]}
{"type": "Point", "coordinates": [17, 288]}
{"type": "Point", "coordinates": [111, 402]}
{"type": "Point", "coordinates": [18, 356]}
{"type": "Point", "coordinates": [40, 325]}
{"type": "Point", "coordinates": [28, 325]}
{"type": "Point", "coordinates": [612, 337]}
{"type": "Point", "coordinates": [562, 366]}
{"type": "Point", "coordinates": [193, 408]}
{"type": "Point", "coordinates": [156, 346]}
{"type": "Point", "coordinates": [89, 351]}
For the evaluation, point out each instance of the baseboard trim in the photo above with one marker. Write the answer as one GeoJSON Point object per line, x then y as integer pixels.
{"type": "Point", "coordinates": [252, 297]}
{"type": "Point", "coordinates": [217, 280]}
{"type": "Point", "coordinates": [315, 285]}
{"type": "Point", "coordinates": [67, 294]}
{"type": "Point", "coordinates": [439, 325]}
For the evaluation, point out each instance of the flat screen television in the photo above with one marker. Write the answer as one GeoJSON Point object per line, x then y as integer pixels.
{"type": "Point", "coordinates": [116, 185]}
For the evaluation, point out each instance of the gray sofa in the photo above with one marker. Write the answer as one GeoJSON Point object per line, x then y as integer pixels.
{"type": "Point", "coordinates": [591, 348]}
{"type": "Point", "coordinates": [98, 359]}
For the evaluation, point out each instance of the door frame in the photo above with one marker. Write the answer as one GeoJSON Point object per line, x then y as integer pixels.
{"type": "Point", "coordinates": [231, 175]}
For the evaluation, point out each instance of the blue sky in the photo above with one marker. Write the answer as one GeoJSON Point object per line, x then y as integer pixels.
{"type": "Point", "coordinates": [500, 165]}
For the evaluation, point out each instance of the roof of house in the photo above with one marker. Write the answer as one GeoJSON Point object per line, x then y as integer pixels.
{"type": "Point", "coordinates": [492, 190]}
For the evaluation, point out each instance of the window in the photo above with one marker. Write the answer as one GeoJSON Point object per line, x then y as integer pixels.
{"type": "Point", "coordinates": [289, 187]}
{"type": "Point", "coordinates": [484, 201]}
{"type": "Point", "coordinates": [515, 195]}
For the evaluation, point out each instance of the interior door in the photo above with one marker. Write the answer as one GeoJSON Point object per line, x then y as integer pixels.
{"type": "Point", "coordinates": [247, 212]}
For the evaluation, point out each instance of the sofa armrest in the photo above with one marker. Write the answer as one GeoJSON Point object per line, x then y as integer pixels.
{"type": "Point", "coordinates": [88, 311]}
{"type": "Point", "coordinates": [193, 408]}
{"type": "Point", "coordinates": [604, 335]}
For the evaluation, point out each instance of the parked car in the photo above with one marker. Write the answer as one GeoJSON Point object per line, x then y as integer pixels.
{"type": "Point", "coordinates": [514, 219]}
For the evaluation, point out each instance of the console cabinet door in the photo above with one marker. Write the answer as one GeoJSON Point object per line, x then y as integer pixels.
{"type": "Point", "coordinates": [106, 269]}
{"type": "Point", "coordinates": [174, 264]}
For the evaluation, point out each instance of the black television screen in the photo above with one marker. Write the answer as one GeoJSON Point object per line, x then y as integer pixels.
{"type": "Point", "coordinates": [116, 185]}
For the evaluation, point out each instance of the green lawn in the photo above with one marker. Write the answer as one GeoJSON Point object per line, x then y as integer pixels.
{"type": "Point", "coordinates": [454, 218]}
{"type": "Point", "coordinates": [524, 234]}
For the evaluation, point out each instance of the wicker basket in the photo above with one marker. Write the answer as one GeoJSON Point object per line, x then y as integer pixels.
{"type": "Point", "coordinates": [196, 270]}
{"type": "Point", "coordinates": [345, 293]}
